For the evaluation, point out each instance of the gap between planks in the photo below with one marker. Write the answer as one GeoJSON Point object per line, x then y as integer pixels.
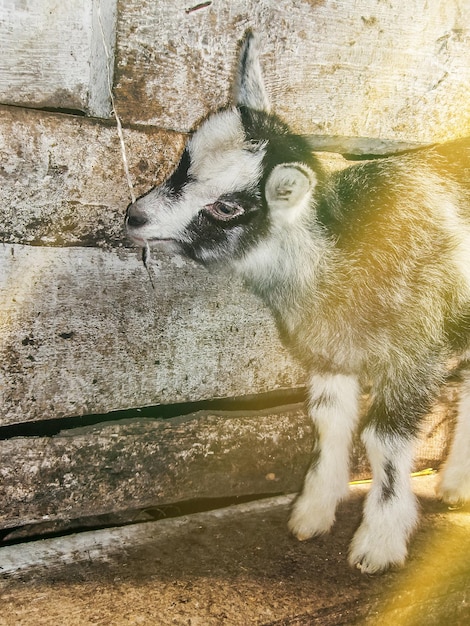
{"type": "Point", "coordinates": [97, 544]}
{"type": "Point", "coordinates": [101, 544]}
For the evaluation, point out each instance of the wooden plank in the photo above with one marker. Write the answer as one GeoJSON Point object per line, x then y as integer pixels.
{"type": "Point", "coordinates": [394, 70]}
{"type": "Point", "coordinates": [82, 331]}
{"type": "Point", "coordinates": [101, 54]}
{"type": "Point", "coordinates": [99, 544]}
{"type": "Point", "coordinates": [145, 463]}
{"type": "Point", "coordinates": [62, 180]}
{"type": "Point", "coordinates": [53, 54]}
{"type": "Point", "coordinates": [140, 463]}
{"type": "Point", "coordinates": [238, 566]}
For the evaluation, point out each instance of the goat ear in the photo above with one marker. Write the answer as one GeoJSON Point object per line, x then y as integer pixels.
{"type": "Point", "coordinates": [288, 185]}
{"type": "Point", "coordinates": [249, 84]}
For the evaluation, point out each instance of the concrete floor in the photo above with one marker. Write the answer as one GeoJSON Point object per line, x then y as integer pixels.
{"type": "Point", "coordinates": [238, 566]}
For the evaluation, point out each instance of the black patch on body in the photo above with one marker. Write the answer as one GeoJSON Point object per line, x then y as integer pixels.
{"type": "Point", "coordinates": [355, 198]}
{"type": "Point", "coordinates": [324, 400]}
{"type": "Point", "coordinates": [316, 449]}
{"type": "Point", "coordinates": [402, 420]}
{"type": "Point", "coordinates": [389, 481]}
{"type": "Point", "coordinates": [399, 404]}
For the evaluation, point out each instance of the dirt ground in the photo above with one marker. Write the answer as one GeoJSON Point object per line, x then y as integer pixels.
{"type": "Point", "coordinates": [238, 566]}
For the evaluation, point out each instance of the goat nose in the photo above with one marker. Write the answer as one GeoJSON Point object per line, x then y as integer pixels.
{"type": "Point", "coordinates": [134, 217]}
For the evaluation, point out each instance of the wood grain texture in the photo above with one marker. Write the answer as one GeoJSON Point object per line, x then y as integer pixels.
{"type": "Point", "coordinates": [53, 55]}
{"type": "Point", "coordinates": [135, 464]}
{"type": "Point", "coordinates": [62, 180]}
{"type": "Point", "coordinates": [394, 70]}
{"type": "Point", "coordinates": [146, 463]}
{"type": "Point", "coordinates": [238, 566]}
{"type": "Point", "coordinates": [82, 331]}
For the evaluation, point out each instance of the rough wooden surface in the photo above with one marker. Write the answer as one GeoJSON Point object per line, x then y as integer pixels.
{"type": "Point", "coordinates": [144, 463]}
{"type": "Point", "coordinates": [133, 464]}
{"type": "Point", "coordinates": [82, 331]}
{"type": "Point", "coordinates": [62, 180]}
{"type": "Point", "coordinates": [53, 56]}
{"type": "Point", "coordinates": [396, 70]}
{"type": "Point", "coordinates": [236, 567]}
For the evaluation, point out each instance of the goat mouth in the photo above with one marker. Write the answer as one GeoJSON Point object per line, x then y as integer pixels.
{"type": "Point", "coordinates": [140, 241]}
{"type": "Point", "coordinates": [151, 241]}
{"type": "Point", "coordinates": [157, 240]}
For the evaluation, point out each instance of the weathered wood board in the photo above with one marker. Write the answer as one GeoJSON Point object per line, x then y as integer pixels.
{"type": "Point", "coordinates": [396, 70]}
{"type": "Point", "coordinates": [144, 463]}
{"type": "Point", "coordinates": [82, 331]}
{"type": "Point", "coordinates": [53, 54]}
{"type": "Point", "coordinates": [62, 180]}
{"type": "Point", "coordinates": [238, 566]}
{"type": "Point", "coordinates": [140, 463]}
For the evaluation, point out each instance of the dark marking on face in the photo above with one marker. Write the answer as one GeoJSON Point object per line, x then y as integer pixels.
{"type": "Point", "coordinates": [209, 240]}
{"type": "Point", "coordinates": [180, 176]}
{"type": "Point", "coordinates": [281, 145]}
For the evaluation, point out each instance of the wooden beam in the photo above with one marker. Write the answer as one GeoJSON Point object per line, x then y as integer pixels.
{"type": "Point", "coordinates": [391, 70]}
{"type": "Point", "coordinates": [82, 331]}
{"type": "Point", "coordinates": [141, 463]}
{"type": "Point", "coordinates": [53, 54]}
{"type": "Point", "coordinates": [62, 180]}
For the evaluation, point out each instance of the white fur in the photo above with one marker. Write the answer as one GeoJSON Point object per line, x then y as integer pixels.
{"type": "Point", "coordinates": [381, 540]}
{"type": "Point", "coordinates": [219, 162]}
{"type": "Point", "coordinates": [219, 165]}
{"type": "Point", "coordinates": [454, 484]}
{"type": "Point", "coordinates": [326, 482]}
{"type": "Point", "coordinates": [457, 229]}
{"type": "Point", "coordinates": [289, 192]}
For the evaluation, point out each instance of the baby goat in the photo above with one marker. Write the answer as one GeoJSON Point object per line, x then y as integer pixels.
{"type": "Point", "coordinates": [367, 272]}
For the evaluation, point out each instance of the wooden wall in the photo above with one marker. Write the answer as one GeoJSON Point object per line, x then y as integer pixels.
{"type": "Point", "coordinates": [54, 54]}
{"type": "Point", "coordinates": [81, 329]}
{"type": "Point", "coordinates": [365, 68]}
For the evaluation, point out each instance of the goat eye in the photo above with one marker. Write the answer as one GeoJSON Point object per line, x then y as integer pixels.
{"type": "Point", "coordinates": [223, 211]}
